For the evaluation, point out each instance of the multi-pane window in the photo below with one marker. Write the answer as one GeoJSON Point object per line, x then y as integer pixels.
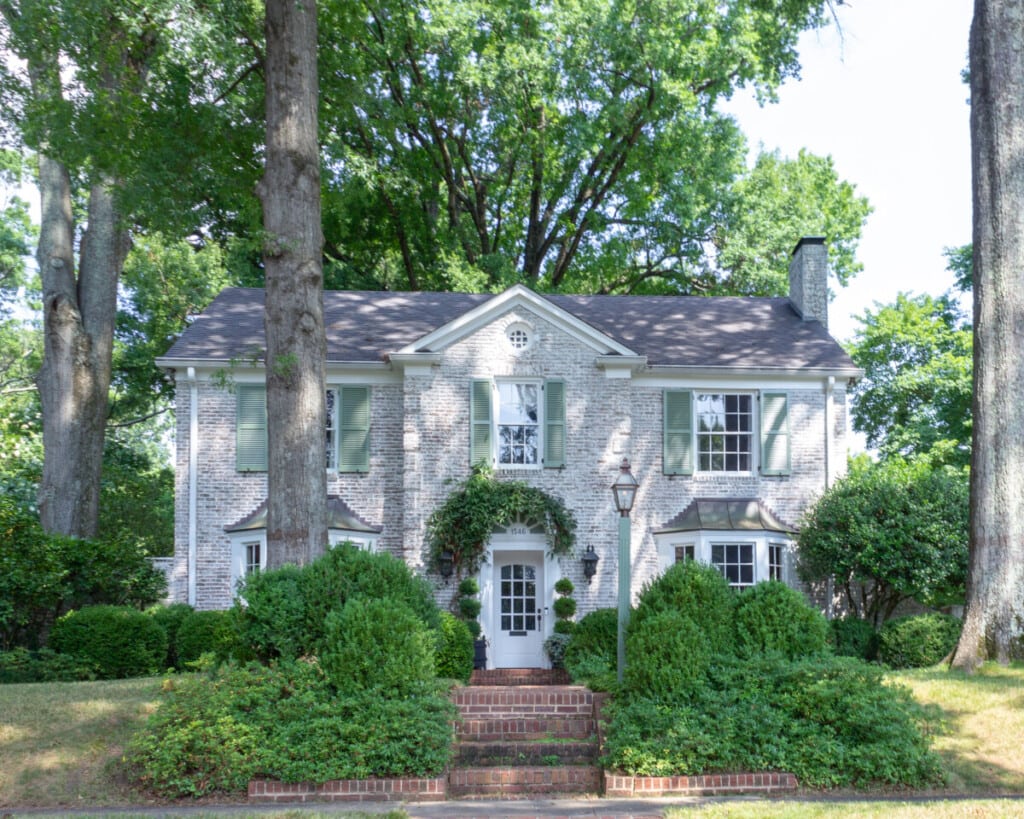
{"type": "Point", "coordinates": [775, 561]}
{"type": "Point", "coordinates": [685, 552]}
{"type": "Point", "coordinates": [331, 430]}
{"type": "Point", "coordinates": [735, 561]}
{"type": "Point", "coordinates": [518, 423]}
{"type": "Point", "coordinates": [518, 599]}
{"type": "Point", "coordinates": [725, 432]}
{"type": "Point", "coordinates": [253, 551]}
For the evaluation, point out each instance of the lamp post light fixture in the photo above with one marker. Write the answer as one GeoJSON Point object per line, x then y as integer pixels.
{"type": "Point", "coordinates": [446, 564]}
{"type": "Point", "coordinates": [589, 563]}
{"type": "Point", "coordinates": [624, 491]}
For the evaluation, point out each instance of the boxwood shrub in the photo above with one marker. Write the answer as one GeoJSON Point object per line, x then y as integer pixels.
{"type": "Point", "coordinates": [113, 641]}
{"type": "Point", "coordinates": [917, 641]}
{"type": "Point", "coordinates": [203, 632]}
{"type": "Point", "coordinates": [697, 591]}
{"type": "Point", "coordinates": [591, 652]}
{"type": "Point", "coordinates": [667, 655]}
{"type": "Point", "coordinates": [853, 637]}
{"type": "Point", "coordinates": [169, 618]}
{"type": "Point", "coordinates": [454, 649]}
{"type": "Point", "coordinates": [773, 618]}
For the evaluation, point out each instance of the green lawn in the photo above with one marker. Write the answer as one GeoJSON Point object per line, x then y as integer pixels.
{"type": "Point", "coordinates": [60, 744]}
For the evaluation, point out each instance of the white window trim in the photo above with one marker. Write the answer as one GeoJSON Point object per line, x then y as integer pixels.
{"type": "Point", "coordinates": [755, 431]}
{"type": "Point", "coordinates": [703, 540]}
{"type": "Point", "coordinates": [240, 540]}
{"type": "Point", "coordinates": [496, 422]}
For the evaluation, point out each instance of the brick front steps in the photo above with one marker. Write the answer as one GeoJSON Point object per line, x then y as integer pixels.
{"type": "Point", "coordinates": [619, 785]}
{"type": "Point", "coordinates": [520, 740]}
{"type": "Point", "coordinates": [517, 741]}
{"type": "Point", "coordinates": [520, 676]}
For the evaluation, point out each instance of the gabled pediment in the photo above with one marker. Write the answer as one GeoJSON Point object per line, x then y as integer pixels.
{"type": "Point", "coordinates": [516, 297]}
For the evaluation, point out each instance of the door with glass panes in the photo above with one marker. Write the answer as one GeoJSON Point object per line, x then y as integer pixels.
{"type": "Point", "coordinates": [519, 610]}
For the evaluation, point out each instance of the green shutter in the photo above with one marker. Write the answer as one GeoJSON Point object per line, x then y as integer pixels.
{"type": "Point", "coordinates": [251, 428]}
{"type": "Point", "coordinates": [677, 438]}
{"type": "Point", "coordinates": [480, 423]}
{"type": "Point", "coordinates": [354, 429]}
{"type": "Point", "coordinates": [774, 433]}
{"type": "Point", "coordinates": [554, 424]}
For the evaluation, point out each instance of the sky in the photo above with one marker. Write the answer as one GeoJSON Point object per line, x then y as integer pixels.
{"type": "Point", "coordinates": [887, 102]}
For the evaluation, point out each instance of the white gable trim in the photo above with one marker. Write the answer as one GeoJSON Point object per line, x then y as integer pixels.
{"type": "Point", "coordinates": [516, 296]}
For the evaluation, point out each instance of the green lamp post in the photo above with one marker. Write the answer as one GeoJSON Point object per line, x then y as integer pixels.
{"type": "Point", "coordinates": [624, 490]}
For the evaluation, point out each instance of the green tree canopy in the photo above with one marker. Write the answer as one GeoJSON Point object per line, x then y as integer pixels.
{"type": "Point", "coordinates": [889, 532]}
{"type": "Point", "coordinates": [915, 398]}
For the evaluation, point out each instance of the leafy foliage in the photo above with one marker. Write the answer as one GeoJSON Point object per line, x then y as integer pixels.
{"type": "Point", "coordinates": [918, 641]}
{"type": "Point", "coordinates": [19, 665]}
{"type": "Point", "coordinates": [285, 610]}
{"type": "Point", "coordinates": [832, 721]}
{"type": "Point", "coordinates": [170, 618]}
{"type": "Point", "coordinates": [592, 650]}
{"type": "Point", "coordinates": [667, 656]}
{"type": "Point", "coordinates": [853, 637]}
{"type": "Point", "coordinates": [377, 646]}
{"type": "Point", "coordinates": [773, 618]}
{"type": "Point", "coordinates": [887, 533]}
{"type": "Point", "coordinates": [466, 520]}
{"type": "Point", "coordinates": [554, 647]}
{"type": "Point", "coordinates": [915, 398]}
{"type": "Point", "coordinates": [113, 641]}
{"type": "Point", "coordinates": [776, 202]}
{"type": "Point", "coordinates": [205, 632]}
{"type": "Point", "coordinates": [454, 649]}
{"type": "Point", "coordinates": [212, 733]}
{"type": "Point", "coordinates": [43, 576]}
{"type": "Point", "coordinates": [696, 591]}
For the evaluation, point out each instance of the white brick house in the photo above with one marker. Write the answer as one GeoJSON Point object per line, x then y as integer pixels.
{"type": "Point", "coordinates": [732, 412]}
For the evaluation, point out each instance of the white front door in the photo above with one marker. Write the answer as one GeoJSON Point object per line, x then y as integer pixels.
{"type": "Point", "coordinates": [519, 610]}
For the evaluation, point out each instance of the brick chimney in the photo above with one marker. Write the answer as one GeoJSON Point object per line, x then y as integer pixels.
{"type": "Point", "coordinates": [808, 279]}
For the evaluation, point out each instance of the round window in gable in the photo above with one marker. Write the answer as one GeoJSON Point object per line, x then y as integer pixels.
{"type": "Point", "coordinates": [518, 336]}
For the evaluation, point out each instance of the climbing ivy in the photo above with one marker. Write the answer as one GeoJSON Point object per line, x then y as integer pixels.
{"type": "Point", "coordinates": [465, 521]}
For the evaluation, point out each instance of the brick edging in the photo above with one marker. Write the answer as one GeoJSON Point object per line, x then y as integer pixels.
{"type": "Point", "coordinates": [619, 785]}
{"type": "Point", "coordinates": [406, 789]}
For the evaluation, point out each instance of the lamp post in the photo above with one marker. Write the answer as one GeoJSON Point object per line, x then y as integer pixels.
{"type": "Point", "coordinates": [624, 491]}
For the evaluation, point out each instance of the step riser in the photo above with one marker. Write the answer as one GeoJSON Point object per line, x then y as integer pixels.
{"type": "Point", "coordinates": [509, 754]}
{"type": "Point", "coordinates": [520, 676]}
{"type": "Point", "coordinates": [523, 782]}
{"type": "Point", "coordinates": [525, 729]}
{"type": "Point", "coordinates": [524, 703]}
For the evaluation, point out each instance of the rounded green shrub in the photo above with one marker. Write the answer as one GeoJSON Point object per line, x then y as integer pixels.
{"type": "Point", "coordinates": [565, 607]}
{"type": "Point", "coordinates": [454, 649]}
{"type": "Point", "coordinates": [667, 655]}
{"type": "Point", "coordinates": [114, 641]}
{"type": "Point", "coordinates": [469, 607]}
{"type": "Point", "coordinates": [772, 618]}
{"type": "Point", "coordinates": [468, 587]}
{"type": "Point", "coordinates": [917, 641]}
{"type": "Point", "coordinates": [271, 614]}
{"type": "Point", "coordinates": [564, 626]}
{"type": "Point", "coordinates": [564, 586]}
{"type": "Point", "coordinates": [854, 637]}
{"type": "Point", "coordinates": [206, 632]}
{"type": "Point", "coordinates": [696, 591]}
{"type": "Point", "coordinates": [169, 619]}
{"type": "Point", "coordinates": [378, 645]}
{"type": "Point", "coordinates": [594, 645]}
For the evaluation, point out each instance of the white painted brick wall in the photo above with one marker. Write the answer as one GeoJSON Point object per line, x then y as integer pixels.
{"type": "Point", "coordinates": [420, 452]}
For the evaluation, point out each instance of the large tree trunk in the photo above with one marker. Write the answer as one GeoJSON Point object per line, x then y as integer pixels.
{"type": "Point", "coordinates": [293, 242]}
{"type": "Point", "coordinates": [994, 620]}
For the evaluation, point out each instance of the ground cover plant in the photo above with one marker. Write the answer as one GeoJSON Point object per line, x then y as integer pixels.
{"type": "Point", "coordinates": [719, 682]}
{"type": "Point", "coordinates": [345, 687]}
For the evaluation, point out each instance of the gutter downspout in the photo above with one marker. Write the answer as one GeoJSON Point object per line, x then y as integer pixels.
{"type": "Point", "coordinates": [193, 489]}
{"type": "Point", "coordinates": [830, 385]}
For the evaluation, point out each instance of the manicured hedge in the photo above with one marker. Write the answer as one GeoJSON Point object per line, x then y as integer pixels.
{"type": "Point", "coordinates": [113, 641]}
{"type": "Point", "coordinates": [917, 641]}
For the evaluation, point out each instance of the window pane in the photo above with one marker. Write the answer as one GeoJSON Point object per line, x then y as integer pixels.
{"type": "Point", "coordinates": [724, 432]}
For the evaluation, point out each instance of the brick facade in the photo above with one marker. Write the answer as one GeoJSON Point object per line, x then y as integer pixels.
{"type": "Point", "coordinates": [420, 440]}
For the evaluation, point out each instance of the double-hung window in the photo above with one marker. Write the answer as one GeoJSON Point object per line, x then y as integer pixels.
{"type": "Point", "coordinates": [725, 432]}
{"type": "Point", "coordinates": [346, 432]}
{"type": "Point", "coordinates": [717, 432]}
{"type": "Point", "coordinates": [517, 423]}
{"type": "Point", "coordinates": [736, 562]}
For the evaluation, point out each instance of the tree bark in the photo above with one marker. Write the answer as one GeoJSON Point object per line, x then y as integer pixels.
{"type": "Point", "coordinates": [293, 316]}
{"type": "Point", "coordinates": [79, 312]}
{"type": "Point", "coordinates": [994, 618]}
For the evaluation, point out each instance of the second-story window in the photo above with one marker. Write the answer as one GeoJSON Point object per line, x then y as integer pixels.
{"type": "Point", "coordinates": [518, 423]}
{"type": "Point", "coordinates": [725, 432]}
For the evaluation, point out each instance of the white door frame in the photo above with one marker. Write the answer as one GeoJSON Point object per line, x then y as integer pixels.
{"type": "Point", "coordinates": [535, 546]}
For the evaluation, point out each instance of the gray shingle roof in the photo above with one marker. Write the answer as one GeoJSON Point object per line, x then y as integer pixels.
{"type": "Point", "coordinates": [687, 331]}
